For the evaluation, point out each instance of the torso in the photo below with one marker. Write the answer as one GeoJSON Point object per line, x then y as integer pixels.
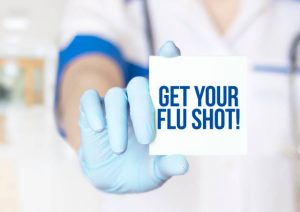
{"type": "Point", "coordinates": [262, 180]}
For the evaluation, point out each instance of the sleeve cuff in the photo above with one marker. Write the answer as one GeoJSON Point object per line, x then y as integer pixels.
{"type": "Point", "coordinates": [91, 44]}
{"type": "Point", "coordinates": [84, 45]}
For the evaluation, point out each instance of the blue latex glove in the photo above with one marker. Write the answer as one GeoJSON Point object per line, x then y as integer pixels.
{"type": "Point", "coordinates": [115, 134]}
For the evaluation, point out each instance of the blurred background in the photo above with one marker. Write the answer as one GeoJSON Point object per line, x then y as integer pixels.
{"type": "Point", "coordinates": [28, 53]}
{"type": "Point", "coordinates": [28, 48]}
{"type": "Point", "coordinates": [38, 170]}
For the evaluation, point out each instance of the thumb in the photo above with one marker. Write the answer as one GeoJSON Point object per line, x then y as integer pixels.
{"type": "Point", "coordinates": [172, 165]}
{"type": "Point", "coordinates": [169, 49]}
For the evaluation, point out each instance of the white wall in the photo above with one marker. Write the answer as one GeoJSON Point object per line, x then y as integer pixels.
{"type": "Point", "coordinates": [38, 40]}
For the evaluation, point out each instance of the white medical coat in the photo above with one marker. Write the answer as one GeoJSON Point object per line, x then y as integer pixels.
{"type": "Point", "coordinates": [262, 181]}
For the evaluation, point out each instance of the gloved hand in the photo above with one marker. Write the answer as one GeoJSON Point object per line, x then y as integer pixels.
{"type": "Point", "coordinates": [115, 134]}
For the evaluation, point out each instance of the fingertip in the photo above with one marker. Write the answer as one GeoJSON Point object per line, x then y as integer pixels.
{"type": "Point", "coordinates": [172, 165]}
{"type": "Point", "coordinates": [169, 49]}
{"type": "Point", "coordinates": [182, 165]}
{"type": "Point", "coordinates": [148, 137]}
{"type": "Point", "coordinates": [90, 93]}
{"type": "Point", "coordinates": [115, 92]}
{"type": "Point", "coordinates": [146, 134]}
{"type": "Point", "coordinates": [178, 164]}
{"type": "Point", "coordinates": [118, 150]}
{"type": "Point", "coordinates": [137, 83]}
{"type": "Point", "coordinates": [118, 145]}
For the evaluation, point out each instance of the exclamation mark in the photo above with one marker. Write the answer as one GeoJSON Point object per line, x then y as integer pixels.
{"type": "Point", "coordinates": [237, 119]}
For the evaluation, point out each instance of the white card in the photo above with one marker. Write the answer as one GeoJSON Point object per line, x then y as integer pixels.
{"type": "Point", "coordinates": [200, 105]}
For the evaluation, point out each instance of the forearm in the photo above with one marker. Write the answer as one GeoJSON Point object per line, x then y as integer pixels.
{"type": "Point", "coordinates": [90, 72]}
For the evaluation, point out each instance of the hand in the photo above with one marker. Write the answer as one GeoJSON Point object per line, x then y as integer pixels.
{"type": "Point", "coordinates": [115, 134]}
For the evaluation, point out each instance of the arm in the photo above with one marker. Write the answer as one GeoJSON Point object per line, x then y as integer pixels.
{"type": "Point", "coordinates": [88, 72]}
